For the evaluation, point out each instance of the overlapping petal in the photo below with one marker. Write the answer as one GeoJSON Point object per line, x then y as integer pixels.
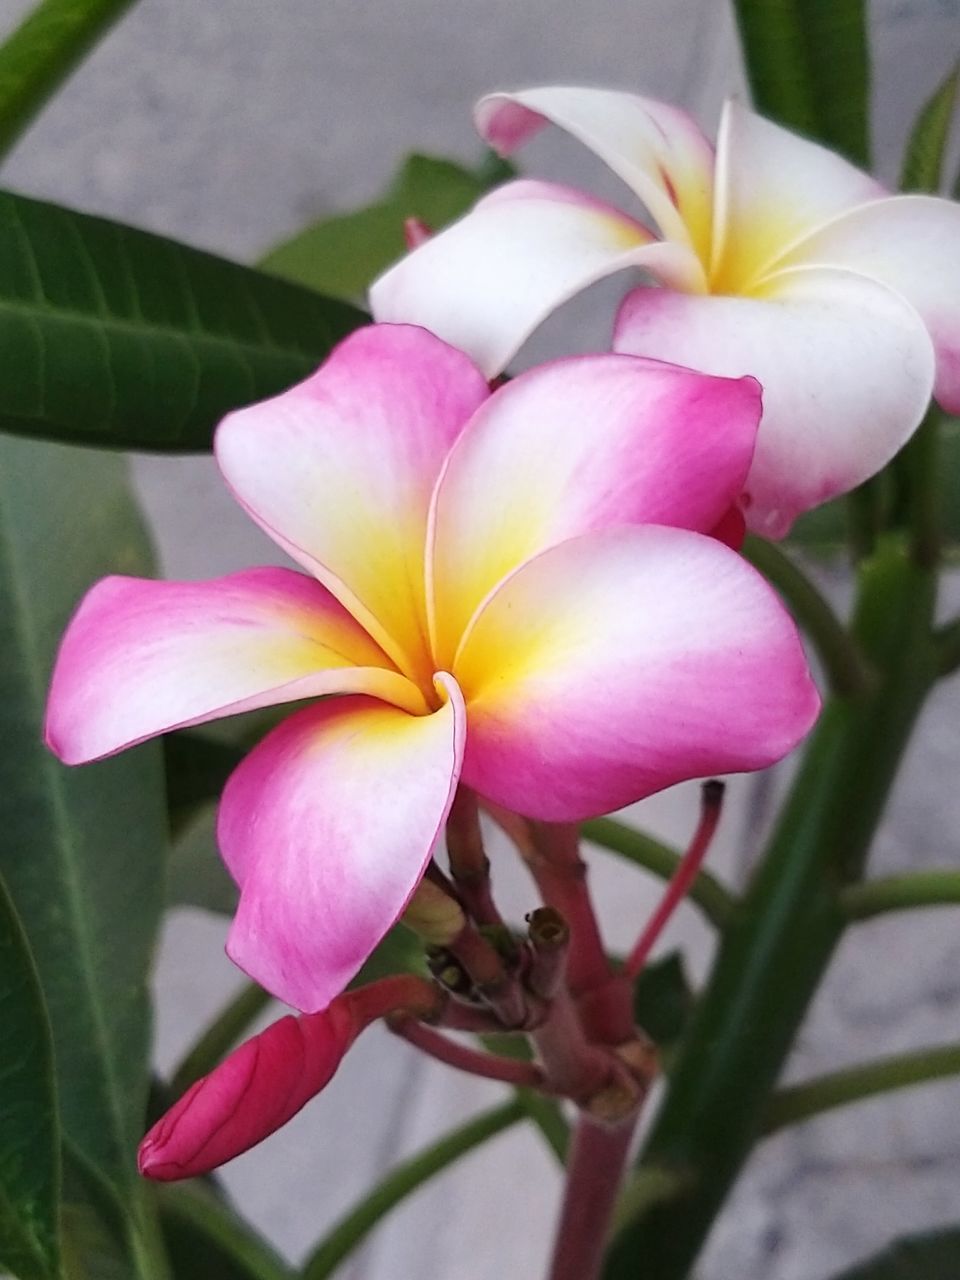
{"type": "Point", "coordinates": [339, 471]}
{"type": "Point", "coordinates": [624, 661]}
{"type": "Point", "coordinates": [327, 826]}
{"type": "Point", "coordinates": [485, 283]}
{"type": "Point", "coordinates": [912, 244]}
{"type": "Point", "coordinates": [142, 657]}
{"type": "Point", "coordinates": [578, 445]}
{"type": "Point", "coordinates": [773, 187]}
{"type": "Point", "coordinates": [846, 365]}
{"type": "Point", "coordinates": [657, 149]}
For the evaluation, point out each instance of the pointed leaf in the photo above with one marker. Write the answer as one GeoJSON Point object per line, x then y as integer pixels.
{"type": "Point", "coordinates": [124, 339]}
{"type": "Point", "coordinates": [29, 1131]}
{"type": "Point", "coordinates": [342, 254]}
{"type": "Point", "coordinates": [41, 54]}
{"type": "Point", "coordinates": [933, 1256]}
{"type": "Point", "coordinates": [83, 849]}
{"type": "Point", "coordinates": [923, 160]}
{"type": "Point", "coordinates": [663, 999]}
{"type": "Point", "coordinates": [808, 66]}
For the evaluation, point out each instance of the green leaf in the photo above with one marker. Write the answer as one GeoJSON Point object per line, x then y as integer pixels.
{"type": "Point", "coordinates": [116, 337]}
{"type": "Point", "coordinates": [933, 1256]}
{"type": "Point", "coordinates": [808, 66]}
{"type": "Point", "coordinates": [41, 54]}
{"type": "Point", "coordinates": [923, 159]}
{"type": "Point", "coordinates": [83, 849]}
{"type": "Point", "coordinates": [403, 1181]}
{"type": "Point", "coordinates": [341, 255]}
{"type": "Point", "coordinates": [196, 875]}
{"type": "Point", "coordinates": [29, 1130]}
{"type": "Point", "coordinates": [663, 999]}
{"type": "Point", "coordinates": [206, 1240]}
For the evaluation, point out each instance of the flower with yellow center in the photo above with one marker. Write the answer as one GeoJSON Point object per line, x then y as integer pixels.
{"type": "Point", "coordinates": [773, 257]}
{"type": "Point", "coordinates": [516, 588]}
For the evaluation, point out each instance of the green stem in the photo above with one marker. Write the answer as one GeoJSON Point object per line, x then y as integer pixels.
{"type": "Point", "coordinates": [196, 1222]}
{"type": "Point", "coordinates": [403, 1181]}
{"type": "Point", "coordinates": [779, 943]}
{"type": "Point", "coordinates": [801, 1101]}
{"type": "Point", "coordinates": [864, 518]}
{"type": "Point", "coordinates": [220, 1037]}
{"type": "Point", "coordinates": [900, 893]}
{"type": "Point", "coordinates": [42, 52]}
{"type": "Point", "coordinates": [714, 900]}
{"type": "Point", "coordinates": [917, 467]}
{"type": "Point", "coordinates": [845, 668]}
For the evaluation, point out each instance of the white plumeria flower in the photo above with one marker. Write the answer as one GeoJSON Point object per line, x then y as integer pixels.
{"type": "Point", "coordinates": [775, 257]}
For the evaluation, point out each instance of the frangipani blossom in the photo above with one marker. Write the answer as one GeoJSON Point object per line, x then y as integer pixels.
{"type": "Point", "coordinates": [775, 257]}
{"type": "Point", "coordinates": [494, 590]}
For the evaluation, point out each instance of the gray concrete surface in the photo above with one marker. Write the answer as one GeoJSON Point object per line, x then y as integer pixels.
{"type": "Point", "coordinates": [229, 123]}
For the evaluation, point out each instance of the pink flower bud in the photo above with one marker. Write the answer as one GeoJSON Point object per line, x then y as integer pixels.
{"type": "Point", "coordinates": [252, 1093]}
{"type": "Point", "coordinates": [416, 232]}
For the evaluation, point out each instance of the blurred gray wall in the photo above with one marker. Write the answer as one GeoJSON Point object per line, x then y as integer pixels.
{"type": "Point", "coordinates": [229, 123]}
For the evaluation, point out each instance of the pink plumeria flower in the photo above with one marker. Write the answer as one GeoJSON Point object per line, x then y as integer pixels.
{"type": "Point", "coordinates": [775, 257]}
{"type": "Point", "coordinates": [494, 593]}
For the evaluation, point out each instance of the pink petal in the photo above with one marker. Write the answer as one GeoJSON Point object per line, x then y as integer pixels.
{"type": "Point", "coordinates": [912, 244]}
{"type": "Point", "coordinates": [845, 364]}
{"type": "Point", "coordinates": [773, 187]}
{"type": "Point", "coordinates": [657, 149]}
{"type": "Point", "coordinates": [578, 445]}
{"type": "Point", "coordinates": [142, 657]}
{"type": "Point", "coordinates": [619, 663]}
{"type": "Point", "coordinates": [339, 471]}
{"type": "Point", "coordinates": [485, 283]}
{"type": "Point", "coordinates": [258, 1088]}
{"type": "Point", "coordinates": [327, 826]}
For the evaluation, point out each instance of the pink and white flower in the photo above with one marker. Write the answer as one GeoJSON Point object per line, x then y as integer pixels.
{"type": "Point", "coordinates": [510, 587]}
{"type": "Point", "coordinates": [774, 257]}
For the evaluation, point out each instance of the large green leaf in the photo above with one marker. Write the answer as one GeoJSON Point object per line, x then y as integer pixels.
{"type": "Point", "coordinates": [341, 255]}
{"type": "Point", "coordinates": [116, 337]}
{"type": "Point", "coordinates": [29, 1131]}
{"type": "Point", "coordinates": [923, 159]}
{"type": "Point", "coordinates": [82, 849]}
{"type": "Point", "coordinates": [809, 67]}
{"type": "Point", "coordinates": [206, 1240]}
{"type": "Point", "coordinates": [42, 52]}
{"type": "Point", "coordinates": [934, 1256]}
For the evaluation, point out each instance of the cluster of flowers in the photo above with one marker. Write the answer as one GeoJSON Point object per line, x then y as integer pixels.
{"type": "Point", "coordinates": [533, 591]}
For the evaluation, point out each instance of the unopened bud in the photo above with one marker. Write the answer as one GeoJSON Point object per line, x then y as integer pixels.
{"type": "Point", "coordinates": [434, 915]}
{"type": "Point", "coordinates": [249, 1095]}
{"type": "Point", "coordinates": [416, 232]}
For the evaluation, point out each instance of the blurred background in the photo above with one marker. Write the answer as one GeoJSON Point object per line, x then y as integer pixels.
{"type": "Point", "coordinates": [231, 123]}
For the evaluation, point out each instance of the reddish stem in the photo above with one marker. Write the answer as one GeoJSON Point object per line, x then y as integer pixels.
{"type": "Point", "coordinates": [461, 1056]}
{"type": "Point", "coordinates": [469, 864]}
{"type": "Point", "coordinates": [683, 877]}
{"type": "Point", "coordinates": [561, 876]}
{"type": "Point", "coordinates": [594, 1172]}
{"type": "Point", "coordinates": [403, 992]}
